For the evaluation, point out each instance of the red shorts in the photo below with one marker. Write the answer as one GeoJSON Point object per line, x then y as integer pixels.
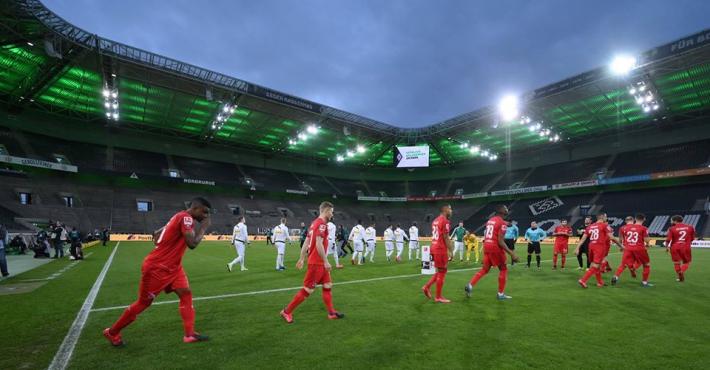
{"type": "Point", "coordinates": [497, 259]}
{"type": "Point", "coordinates": [560, 248]}
{"type": "Point", "coordinates": [441, 260]}
{"type": "Point", "coordinates": [156, 280]}
{"type": "Point", "coordinates": [316, 275]}
{"type": "Point", "coordinates": [681, 255]}
{"type": "Point", "coordinates": [598, 253]}
{"type": "Point", "coordinates": [633, 256]}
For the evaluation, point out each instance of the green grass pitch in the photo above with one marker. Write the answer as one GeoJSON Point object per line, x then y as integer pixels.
{"type": "Point", "coordinates": [550, 322]}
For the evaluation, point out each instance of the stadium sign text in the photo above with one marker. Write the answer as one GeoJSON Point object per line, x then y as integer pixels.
{"type": "Point", "coordinates": [38, 163]}
{"type": "Point", "coordinates": [530, 189]}
{"type": "Point", "coordinates": [199, 182]}
{"type": "Point", "coordinates": [300, 192]}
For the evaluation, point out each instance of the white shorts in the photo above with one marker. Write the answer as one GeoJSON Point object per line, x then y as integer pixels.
{"type": "Point", "coordinates": [358, 246]}
{"type": "Point", "coordinates": [280, 247]}
{"type": "Point", "coordinates": [458, 245]}
{"type": "Point", "coordinates": [239, 246]}
{"type": "Point", "coordinates": [400, 246]}
{"type": "Point", "coordinates": [389, 246]}
{"type": "Point", "coordinates": [414, 244]}
{"type": "Point", "coordinates": [371, 246]}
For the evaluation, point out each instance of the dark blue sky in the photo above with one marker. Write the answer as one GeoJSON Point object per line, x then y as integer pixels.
{"type": "Point", "coordinates": [409, 63]}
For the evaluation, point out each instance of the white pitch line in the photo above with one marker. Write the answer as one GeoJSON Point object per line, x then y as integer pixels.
{"type": "Point", "coordinates": [58, 273]}
{"type": "Point", "coordinates": [258, 292]}
{"type": "Point", "coordinates": [64, 353]}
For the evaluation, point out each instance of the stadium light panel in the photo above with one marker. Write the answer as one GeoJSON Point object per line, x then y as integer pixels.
{"type": "Point", "coordinates": [350, 154]}
{"type": "Point", "coordinates": [508, 107]}
{"type": "Point", "coordinates": [475, 149]}
{"type": "Point", "coordinates": [621, 65]}
{"type": "Point", "coordinates": [339, 158]}
{"type": "Point", "coordinates": [360, 149]}
{"type": "Point", "coordinates": [312, 129]}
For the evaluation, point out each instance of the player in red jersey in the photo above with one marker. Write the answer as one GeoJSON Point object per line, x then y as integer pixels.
{"type": "Point", "coordinates": [678, 243]}
{"type": "Point", "coordinates": [494, 250]}
{"type": "Point", "coordinates": [441, 248]}
{"type": "Point", "coordinates": [162, 270]}
{"type": "Point", "coordinates": [318, 271]}
{"type": "Point", "coordinates": [634, 236]}
{"type": "Point", "coordinates": [600, 236]}
{"type": "Point", "coordinates": [561, 234]}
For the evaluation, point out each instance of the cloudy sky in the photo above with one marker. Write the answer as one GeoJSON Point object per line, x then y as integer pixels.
{"type": "Point", "coordinates": [408, 63]}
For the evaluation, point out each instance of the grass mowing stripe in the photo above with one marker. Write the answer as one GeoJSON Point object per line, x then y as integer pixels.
{"type": "Point", "coordinates": [63, 355]}
{"type": "Point", "coordinates": [277, 290]}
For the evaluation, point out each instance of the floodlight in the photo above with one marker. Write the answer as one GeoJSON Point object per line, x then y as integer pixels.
{"type": "Point", "coordinates": [622, 65]}
{"type": "Point", "coordinates": [508, 107]}
{"type": "Point", "coordinates": [475, 149]}
{"type": "Point", "coordinates": [339, 158]}
{"type": "Point", "coordinates": [349, 153]}
{"type": "Point", "coordinates": [312, 129]}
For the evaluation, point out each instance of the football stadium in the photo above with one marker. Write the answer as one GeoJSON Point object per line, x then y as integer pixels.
{"type": "Point", "coordinates": [158, 214]}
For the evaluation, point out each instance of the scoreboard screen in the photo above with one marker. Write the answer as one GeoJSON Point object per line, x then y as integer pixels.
{"type": "Point", "coordinates": [411, 156]}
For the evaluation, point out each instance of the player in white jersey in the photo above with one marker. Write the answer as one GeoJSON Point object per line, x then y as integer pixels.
{"type": "Point", "coordinates": [389, 241]}
{"type": "Point", "coordinates": [370, 240]}
{"type": "Point", "coordinates": [413, 241]}
{"type": "Point", "coordinates": [240, 239]}
{"type": "Point", "coordinates": [279, 236]}
{"type": "Point", "coordinates": [399, 237]}
{"type": "Point", "coordinates": [332, 246]}
{"type": "Point", "coordinates": [357, 235]}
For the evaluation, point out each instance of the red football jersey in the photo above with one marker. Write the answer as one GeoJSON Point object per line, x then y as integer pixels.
{"type": "Point", "coordinates": [599, 234]}
{"type": "Point", "coordinates": [562, 239]}
{"type": "Point", "coordinates": [633, 236]}
{"type": "Point", "coordinates": [494, 228]}
{"type": "Point", "coordinates": [439, 230]}
{"type": "Point", "coordinates": [171, 245]}
{"type": "Point", "coordinates": [680, 235]}
{"type": "Point", "coordinates": [318, 228]}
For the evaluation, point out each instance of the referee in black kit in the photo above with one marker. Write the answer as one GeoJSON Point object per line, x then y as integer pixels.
{"type": "Point", "coordinates": [584, 248]}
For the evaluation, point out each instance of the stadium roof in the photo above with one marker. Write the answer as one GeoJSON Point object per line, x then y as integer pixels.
{"type": "Point", "coordinates": [52, 66]}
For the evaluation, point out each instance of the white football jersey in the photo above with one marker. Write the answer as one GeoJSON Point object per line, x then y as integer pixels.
{"type": "Point", "coordinates": [280, 234]}
{"type": "Point", "coordinates": [413, 233]}
{"type": "Point", "coordinates": [389, 235]}
{"type": "Point", "coordinates": [399, 235]}
{"type": "Point", "coordinates": [357, 234]}
{"type": "Point", "coordinates": [331, 232]}
{"type": "Point", "coordinates": [240, 233]}
{"type": "Point", "coordinates": [370, 233]}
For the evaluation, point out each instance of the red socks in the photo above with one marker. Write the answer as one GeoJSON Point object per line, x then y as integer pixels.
{"type": "Point", "coordinates": [431, 281]}
{"type": "Point", "coordinates": [188, 314]}
{"type": "Point", "coordinates": [482, 272]}
{"type": "Point", "coordinates": [440, 283]}
{"type": "Point", "coordinates": [502, 278]}
{"type": "Point", "coordinates": [554, 260]}
{"type": "Point", "coordinates": [677, 268]}
{"type": "Point", "coordinates": [297, 299]}
{"type": "Point", "coordinates": [620, 270]}
{"type": "Point", "coordinates": [685, 267]}
{"type": "Point", "coordinates": [646, 272]}
{"type": "Point", "coordinates": [564, 259]}
{"type": "Point", "coordinates": [328, 300]}
{"type": "Point", "coordinates": [592, 271]}
{"type": "Point", "coordinates": [129, 315]}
